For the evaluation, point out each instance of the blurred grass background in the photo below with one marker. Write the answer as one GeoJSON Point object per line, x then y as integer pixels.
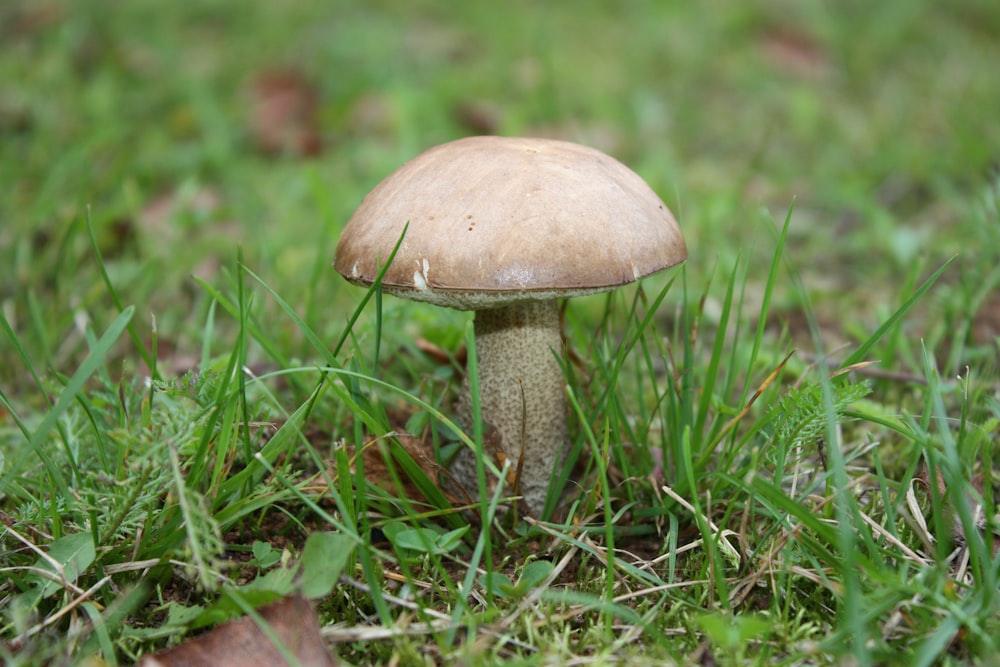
{"type": "Point", "coordinates": [877, 121]}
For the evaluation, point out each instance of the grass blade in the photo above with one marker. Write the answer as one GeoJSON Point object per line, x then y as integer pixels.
{"type": "Point", "coordinates": [94, 360]}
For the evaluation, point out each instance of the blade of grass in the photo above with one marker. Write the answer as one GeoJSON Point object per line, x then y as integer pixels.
{"type": "Point", "coordinates": [255, 330]}
{"type": "Point", "coordinates": [861, 353]}
{"type": "Point", "coordinates": [712, 370]}
{"type": "Point", "coordinates": [16, 343]}
{"type": "Point", "coordinates": [246, 305]}
{"type": "Point", "coordinates": [601, 454]}
{"type": "Point", "coordinates": [472, 374]}
{"type": "Point", "coordinates": [772, 280]}
{"type": "Point", "coordinates": [957, 485]}
{"type": "Point", "coordinates": [116, 299]}
{"type": "Point", "coordinates": [94, 360]}
{"type": "Point", "coordinates": [844, 505]}
{"type": "Point", "coordinates": [375, 288]}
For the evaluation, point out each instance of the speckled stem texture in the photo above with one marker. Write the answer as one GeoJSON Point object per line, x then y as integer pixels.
{"type": "Point", "coordinates": [521, 393]}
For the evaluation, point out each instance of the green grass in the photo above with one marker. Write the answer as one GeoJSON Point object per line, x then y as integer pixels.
{"type": "Point", "coordinates": [185, 383]}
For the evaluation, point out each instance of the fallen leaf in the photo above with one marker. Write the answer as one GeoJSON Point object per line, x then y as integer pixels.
{"type": "Point", "coordinates": [242, 643]}
{"type": "Point", "coordinates": [793, 51]}
{"type": "Point", "coordinates": [27, 21]}
{"type": "Point", "coordinates": [479, 116]}
{"type": "Point", "coordinates": [376, 455]}
{"type": "Point", "coordinates": [986, 321]}
{"type": "Point", "coordinates": [283, 114]}
{"type": "Point", "coordinates": [439, 355]}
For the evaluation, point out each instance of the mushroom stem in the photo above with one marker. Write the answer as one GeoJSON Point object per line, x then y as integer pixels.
{"type": "Point", "coordinates": [521, 393]}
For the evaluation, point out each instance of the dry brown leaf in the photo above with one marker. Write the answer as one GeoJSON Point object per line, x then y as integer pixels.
{"type": "Point", "coordinates": [376, 455]}
{"type": "Point", "coordinates": [26, 21]}
{"type": "Point", "coordinates": [242, 643]}
{"type": "Point", "coordinates": [986, 322]}
{"type": "Point", "coordinates": [794, 51]}
{"type": "Point", "coordinates": [479, 116]}
{"type": "Point", "coordinates": [284, 114]}
{"type": "Point", "coordinates": [439, 355]}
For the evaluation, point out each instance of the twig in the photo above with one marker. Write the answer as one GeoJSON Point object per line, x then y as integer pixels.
{"type": "Point", "coordinates": [893, 540]}
{"type": "Point", "coordinates": [722, 535]}
{"type": "Point", "coordinates": [62, 612]}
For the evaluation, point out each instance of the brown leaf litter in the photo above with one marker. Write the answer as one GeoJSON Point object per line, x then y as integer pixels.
{"type": "Point", "coordinates": [291, 621]}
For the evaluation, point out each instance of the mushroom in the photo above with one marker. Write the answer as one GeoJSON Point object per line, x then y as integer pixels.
{"type": "Point", "coordinates": [506, 227]}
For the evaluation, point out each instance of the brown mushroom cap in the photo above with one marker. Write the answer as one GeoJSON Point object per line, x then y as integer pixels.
{"type": "Point", "coordinates": [498, 220]}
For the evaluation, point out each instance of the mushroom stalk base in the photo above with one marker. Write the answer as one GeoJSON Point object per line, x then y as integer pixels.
{"type": "Point", "coordinates": [521, 395]}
